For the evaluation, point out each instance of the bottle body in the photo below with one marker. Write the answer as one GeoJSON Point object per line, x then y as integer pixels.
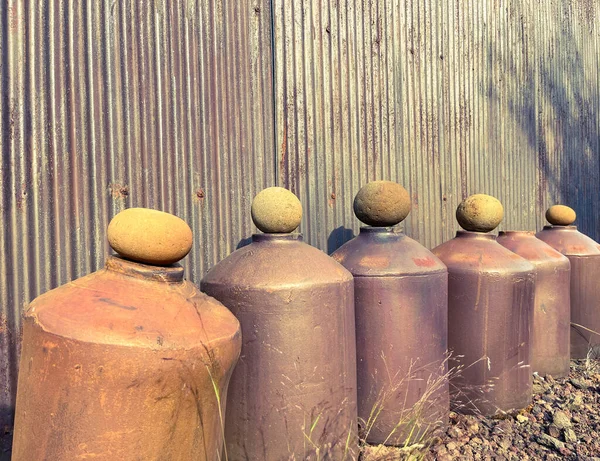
{"type": "Point", "coordinates": [584, 256]}
{"type": "Point", "coordinates": [490, 308]}
{"type": "Point", "coordinates": [550, 338]}
{"type": "Point", "coordinates": [401, 335]}
{"type": "Point", "coordinates": [293, 393]}
{"type": "Point", "coordinates": [118, 365]}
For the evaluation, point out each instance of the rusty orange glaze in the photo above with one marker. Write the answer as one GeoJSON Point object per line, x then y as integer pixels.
{"type": "Point", "coordinates": [124, 364]}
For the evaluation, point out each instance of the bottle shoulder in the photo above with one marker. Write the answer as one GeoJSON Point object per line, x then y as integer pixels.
{"type": "Point", "coordinates": [111, 308]}
{"type": "Point", "coordinates": [271, 265]}
{"type": "Point", "coordinates": [387, 255]}
{"type": "Point", "coordinates": [480, 255]}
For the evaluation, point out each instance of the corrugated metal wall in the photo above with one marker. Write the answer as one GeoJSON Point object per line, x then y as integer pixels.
{"type": "Point", "coordinates": [113, 104]}
{"type": "Point", "coordinates": [193, 106]}
{"type": "Point", "coordinates": [449, 98]}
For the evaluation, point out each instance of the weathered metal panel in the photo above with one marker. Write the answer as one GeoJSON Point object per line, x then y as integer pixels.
{"type": "Point", "coordinates": [114, 104]}
{"type": "Point", "coordinates": [449, 98]}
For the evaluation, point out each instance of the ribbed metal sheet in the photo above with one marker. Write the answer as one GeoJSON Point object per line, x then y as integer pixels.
{"type": "Point", "coordinates": [113, 104]}
{"type": "Point", "coordinates": [193, 106]}
{"type": "Point", "coordinates": [448, 98]}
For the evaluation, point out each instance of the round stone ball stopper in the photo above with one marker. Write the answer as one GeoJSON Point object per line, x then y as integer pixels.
{"type": "Point", "coordinates": [149, 236]}
{"type": "Point", "coordinates": [382, 203]}
{"type": "Point", "coordinates": [276, 210]}
{"type": "Point", "coordinates": [480, 213]}
{"type": "Point", "coordinates": [561, 215]}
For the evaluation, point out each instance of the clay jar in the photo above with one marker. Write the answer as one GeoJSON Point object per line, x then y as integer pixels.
{"type": "Point", "coordinates": [550, 350]}
{"type": "Point", "coordinates": [130, 362]}
{"type": "Point", "coordinates": [584, 256]}
{"type": "Point", "coordinates": [293, 394]}
{"type": "Point", "coordinates": [401, 299]}
{"type": "Point", "coordinates": [490, 308]}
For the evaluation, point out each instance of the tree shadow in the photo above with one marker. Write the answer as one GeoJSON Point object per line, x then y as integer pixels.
{"type": "Point", "coordinates": [554, 99]}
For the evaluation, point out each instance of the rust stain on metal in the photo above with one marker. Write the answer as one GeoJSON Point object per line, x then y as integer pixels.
{"type": "Point", "coordinates": [118, 191]}
{"type": "Point", "coordinates": [283, 160]}
{"type": "Point", "coordinates": [13, 15]}
{"type": "Point", "coordinates": [199, 196]}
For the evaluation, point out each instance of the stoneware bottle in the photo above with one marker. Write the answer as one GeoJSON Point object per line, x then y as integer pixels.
{"type": "Point", "coordinates": [130, 362]}
{"type": "Point", "coordinates": [293, 394]}
{"type": "Point", "coordinates": [401, 304]}
{"type": "Point", "coordinates": [490, 308]}
{"type": "Point", "coordinates": [550, 350]}
{"type": "Point", "coordinates": [584, 255]}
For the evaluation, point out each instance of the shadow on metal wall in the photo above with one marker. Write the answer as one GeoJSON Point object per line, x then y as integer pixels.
{"type": "Point", "coordinates": [556, 104]}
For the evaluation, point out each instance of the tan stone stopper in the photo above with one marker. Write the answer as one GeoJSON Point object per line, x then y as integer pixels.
{"type": "Point", "coordinates": [382, 203]}
{"type": "Point", "coordinates": [276, 210]}
{"type": "Point", "coordinates": [480, 213]}
{"type": "Point", "coordinates": [561, 215]}
{"type": "Point", "coordinates": [149, 236]}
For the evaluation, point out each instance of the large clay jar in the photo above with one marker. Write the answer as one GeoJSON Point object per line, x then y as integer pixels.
{"type": "Point", "coordinates": [550, 351]}
{"type": "Point", "coordinates": [490, 308]}
{"type": "Point", "coordinates": [131, 362]}
{"type": "Point", "coordinates": [401, 304]}
{"type": "Point", "coordinates": [584, 255]}
{"type": "Point", "coordinates": [293, 394]}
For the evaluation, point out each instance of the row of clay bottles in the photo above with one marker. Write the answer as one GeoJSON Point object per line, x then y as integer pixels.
{"type": "Point", "coordinates": [134, 363]}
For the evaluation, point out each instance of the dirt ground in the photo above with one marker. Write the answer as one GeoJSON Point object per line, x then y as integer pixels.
{"type": "Point", "coordinates": [563, 422]}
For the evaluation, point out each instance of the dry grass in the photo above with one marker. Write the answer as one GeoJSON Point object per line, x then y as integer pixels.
{"type": "Point", "coordinates": [414, 428]}
{"type": "Point", "coordinates": [221, 418]}
{"type": "Point", "coordinates": [422, 433]}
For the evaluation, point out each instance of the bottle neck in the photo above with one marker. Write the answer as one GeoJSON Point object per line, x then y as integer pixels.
{"type": "Point", "coordinates": [381, 230]}
{"type": "Point", "coordinates": [517, 234]}
{"type": "Point", "coordinates": [554, 227]}
{"type": "Point", "coordinates": [463, 234]}
{"type": "Point", "coordinates": [163, 274]}
{"type": "Point", "coordinates": [291, 237]}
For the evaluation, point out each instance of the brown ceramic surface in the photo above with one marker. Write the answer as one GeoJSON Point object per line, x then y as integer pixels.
{"type": "Point", "coordinates": [293, 393]}
{"type": "Point", "coordinates": [584, 255]}
{"type": "Point", "coordinates": [401, 334]}
{"type": "Point", "coordinates": [550, 331]}
{"type": "Point", "coordinates": [490, 308]}
{"type": "Point", "coordinates": [120, 365]}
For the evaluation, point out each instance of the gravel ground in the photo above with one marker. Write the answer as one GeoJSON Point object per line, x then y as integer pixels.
{"type": "Point", "coordinates": [563, 422]}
